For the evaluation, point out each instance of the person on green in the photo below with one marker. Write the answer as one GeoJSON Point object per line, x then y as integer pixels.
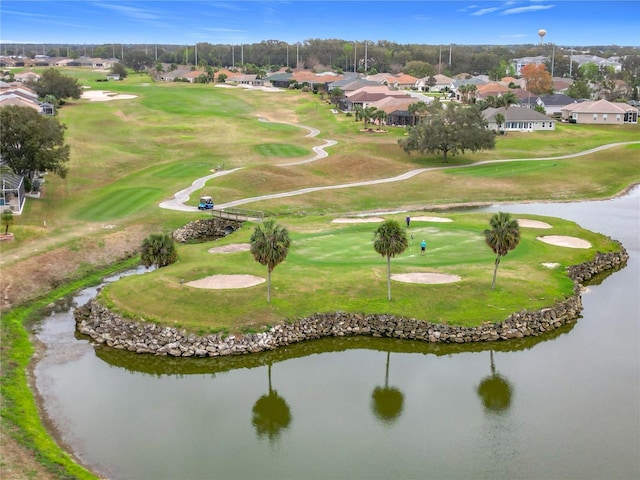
{"type": "Point", "coordinates": [423, 247]}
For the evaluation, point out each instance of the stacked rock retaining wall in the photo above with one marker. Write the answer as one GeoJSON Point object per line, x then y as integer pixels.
{"type": "Point", "coordinates": [108, 328]}
{"type": "Point", "coordinates": [205, 229]}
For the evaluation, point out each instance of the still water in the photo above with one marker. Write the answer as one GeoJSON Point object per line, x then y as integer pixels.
{"type": "Point", "coordinates": [564, 406]}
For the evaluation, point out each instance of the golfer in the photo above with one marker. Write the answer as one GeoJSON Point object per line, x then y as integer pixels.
{"type": "Point", "coordinates": [423, 247]}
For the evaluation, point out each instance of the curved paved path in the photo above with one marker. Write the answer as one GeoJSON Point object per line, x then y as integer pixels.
{"type": "Point", "coordinates": [178, 202]}
{"type": "Point", "coordinates": [313, 132]}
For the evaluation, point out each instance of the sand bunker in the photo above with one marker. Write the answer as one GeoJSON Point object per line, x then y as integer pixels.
{"type": "Point", "coordinates": [550, 265]}
{"type": "Point", "coordinates": [430, 278]}
{"type": "Point", "coordinates": [431, 219]}
{"type": "Point", "coordinates": [563, 241]}
{"type": "Point", "coordinates": [234, 247]}
{"type": "Point", "coordinates": [358, 220]}
{"type": "Point", "coordinates": [104, 96]}
{"type": "Point", "coordinates": [221, 282]}
{"type": "Point", "coordinates": [525, 222]}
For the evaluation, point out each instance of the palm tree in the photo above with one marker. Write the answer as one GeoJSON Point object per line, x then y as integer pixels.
{"type": "Point", "coordinates": [499, 120]}
{"type": "Point", "coordinates": [506, 100]}
{"type": "Point", "coordinates": [7, 220]}
{"type": "Point", "coordinates": [269, 246]}
{"type": "Point", "coordinates": [389, 240]}
{"type": "Point", "coordinates": [271, 413]}
{"type": "Point", "coordinates": [387, 402]}
{"type": "Point", "coordinates": [367, 114]}
{"type": "Point", "coordinates": [503, 237]}
{"type": "Point", "coordinates": [380, 116]}
{"type": "Point", "coordinates": [158, 249]}
{"type": "Point", "coordinates": [358, 110]}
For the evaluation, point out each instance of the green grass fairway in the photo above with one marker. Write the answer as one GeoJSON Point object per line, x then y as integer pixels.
{"type": "Point", "coordinates": [333, 267]}
{"type": "Point", "coordinates": [282, 150]}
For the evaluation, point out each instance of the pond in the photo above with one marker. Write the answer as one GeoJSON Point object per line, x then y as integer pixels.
{"type": "Point", "coordinates": [563, 406]}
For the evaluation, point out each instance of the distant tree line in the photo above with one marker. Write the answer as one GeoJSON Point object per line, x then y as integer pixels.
{"type": "Point", "coordinates": [340, 55]}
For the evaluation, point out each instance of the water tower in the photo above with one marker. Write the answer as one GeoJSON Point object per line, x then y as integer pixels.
{"type": "Point", "coordinates": [542, 32]}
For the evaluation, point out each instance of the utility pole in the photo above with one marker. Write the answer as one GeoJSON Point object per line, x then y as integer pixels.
{"type": "Point", "coordinates": [233, 56]}
{"type": "Point", "coordinates": [366, 45]}
{"type": "Point", "coordinates": [355, 56]}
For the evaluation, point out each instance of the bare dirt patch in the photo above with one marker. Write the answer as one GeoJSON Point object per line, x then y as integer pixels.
{"type": "Point", "coordinates": [564, 241]}
{"type": "Point", "coordinates": [221, 282]}
{"type": "Point", "coordinates": [426, 278]}
{"type": "Point", "coordinates": [233, 248]}
{"type": "Point", "coordinates": [358, 220]}
{"type": "Point", "coordinates": [525, 222]}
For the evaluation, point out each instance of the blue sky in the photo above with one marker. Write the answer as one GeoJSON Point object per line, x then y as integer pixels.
{"type": "Point", "coordinates": [567, 22]}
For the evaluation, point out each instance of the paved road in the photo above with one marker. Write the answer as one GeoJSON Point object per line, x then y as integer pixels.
{"type": "Point", "coordinates": [177, 203]}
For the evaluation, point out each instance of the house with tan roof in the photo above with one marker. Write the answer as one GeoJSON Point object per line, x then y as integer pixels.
{"type": "Point", "coordinates": [442, 83]}
{"type": "Point", "coordinates": [492, 89]}
{"type": "Point", "coordinates": [518, 119]}
{"type": "Point", "coordinates": [26, 77]}
{"type": "Point", "coordinates": [600, 112]}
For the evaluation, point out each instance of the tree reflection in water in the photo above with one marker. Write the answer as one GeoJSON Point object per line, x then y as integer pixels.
{"type": "Point", "coordinates": [495, 391]}
{"type": "Point", "coordinates": [387, 402]}
{"type": "Point", "coordinates": [271, 413]}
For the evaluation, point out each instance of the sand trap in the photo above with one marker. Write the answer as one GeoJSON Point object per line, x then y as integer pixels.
{"type": "Point", "coordinates": [104, 96]}
{"type": "Point", "coordinates": [431, 219]}
{"type": "Point", "coordinates": [220, 282]}
{"type": "Point", "coordinates": [358, 220]}
{"type": "Point", "coordinates": [235, 247]}
{"type": "Point", "coordinates": [550, 265]}
{"type": "Point", "coordinates": [525, 222]}
{"type": "Point", "coordinates": [563, 241]}
{"type": "Point", "coordinates": [431, 278]}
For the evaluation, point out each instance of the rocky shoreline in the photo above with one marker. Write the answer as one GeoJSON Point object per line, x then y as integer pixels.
{"type": "Point", "coordinates": [105, 327]}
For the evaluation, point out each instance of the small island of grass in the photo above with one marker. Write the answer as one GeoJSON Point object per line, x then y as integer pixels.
{"type": "Point", "coordinates": [332, 267]}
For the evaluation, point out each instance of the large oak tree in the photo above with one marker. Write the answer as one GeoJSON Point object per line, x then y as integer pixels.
{"type": "Point", "coordinates": [449, 131]}
{"type": "Point", "coordinates": [52, 82]}
{"type": "Point", "coordinates": [31, 142]}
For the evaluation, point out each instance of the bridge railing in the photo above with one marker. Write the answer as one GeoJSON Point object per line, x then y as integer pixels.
{"type": "Point", "coordinates": [239, 215]}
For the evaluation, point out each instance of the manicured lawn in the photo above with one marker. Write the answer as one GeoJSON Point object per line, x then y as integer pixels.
{"type": "Point", "coordinates": [333, 267]}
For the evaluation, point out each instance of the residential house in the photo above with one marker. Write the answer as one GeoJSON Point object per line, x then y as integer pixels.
{"type": "Point", "coordinates": [491, 89]}
{"type": "Point", "coordinates": [601, 112]}
{"type": "Point", "coordinates": [459, 83]}
{"type": "Point", "coordinates": [401, 81]}
{"type": "Point", "coordinates": [518, 63]}
{"type": "Point", "coordinates": [366, 96]}
{"type": "Point", "coordinates": [518, 119]}
{"type": "Point", "coordinates": [397, 109]}
{"type": "Point", "coordinates": [18, 94]}
{"type": "Point", "coordinates": [512, 82]}
{"type": "Point", "coordinates": [553, 104]}
{"type": "Point", "coordinates": [12, 191]}
{"type": "Point", "coordinates": [351, 84]}
{"type": "Point", "coordinates": [560, 84]}
{"type": "Point", "coordinates": [251, 80]}
{"type": "Point", "coordinates": [26, 77]}
{"type": "Point", "coordinates": [442, 83]}
{"type": "Point", "coordinates": [280, 79]}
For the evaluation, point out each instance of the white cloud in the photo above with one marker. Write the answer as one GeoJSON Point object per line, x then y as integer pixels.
{"type": "Point", "coordinates": [530, 8]}
{"type": "Point", "coordinates": [132, 12]}
{"type": "Point", "coordinates": [485, 11]}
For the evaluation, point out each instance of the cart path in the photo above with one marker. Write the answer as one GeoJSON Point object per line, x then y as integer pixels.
{"type": "Point", "coordinates": [313, 132]}
{"type": "Point", "coordinates": [177, 203]}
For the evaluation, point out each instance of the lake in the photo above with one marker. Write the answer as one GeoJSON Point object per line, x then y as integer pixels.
{"type": "Point", "coordinates": [563, 406]}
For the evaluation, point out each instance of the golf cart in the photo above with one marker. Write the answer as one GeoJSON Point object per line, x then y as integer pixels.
{"type": "Point", "coordinates": [206, 203]}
